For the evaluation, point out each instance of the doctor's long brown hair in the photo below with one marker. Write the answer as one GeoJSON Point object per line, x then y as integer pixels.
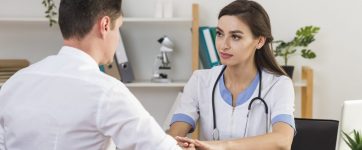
{"type": "Point", "coordinates": [254, 15]}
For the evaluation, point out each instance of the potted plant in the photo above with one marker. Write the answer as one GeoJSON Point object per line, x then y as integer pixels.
{"type": "Point", "coordinates": [50, 11]}
{"type": "Point", "coordinates": [303, 37]}
{"type": "Point", "coordinates": [354, 141]}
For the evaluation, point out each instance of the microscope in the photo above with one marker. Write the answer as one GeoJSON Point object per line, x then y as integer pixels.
{"type": "Point", "coordinates": [162, 66]}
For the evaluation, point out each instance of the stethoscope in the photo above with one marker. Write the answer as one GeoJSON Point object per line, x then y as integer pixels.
{"type": "Point", "coordinates": [215, 132]}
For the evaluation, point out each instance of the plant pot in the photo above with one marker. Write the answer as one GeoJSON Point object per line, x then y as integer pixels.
{"type": "Point", "coordinates": [289, 70]}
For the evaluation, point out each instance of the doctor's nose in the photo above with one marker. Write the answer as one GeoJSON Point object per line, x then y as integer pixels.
{"type": "Point", "coordinates": [224, 44]}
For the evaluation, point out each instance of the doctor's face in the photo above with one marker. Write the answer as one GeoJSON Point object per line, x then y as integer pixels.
{"type": "Point", "coordinates": [235, 42]}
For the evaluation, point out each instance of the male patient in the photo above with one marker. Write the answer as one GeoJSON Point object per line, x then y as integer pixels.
{"type": "Point", "coordinates": [64, 102]}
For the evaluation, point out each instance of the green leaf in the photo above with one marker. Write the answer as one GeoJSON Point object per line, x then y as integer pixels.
{"type": "Point", "coordinates": [355, 142]}
{"type": "Point", "coordinates": [292, 51]}
{"type": "Point", "coordinates": [349, 141]}
{"type": "Point", "coordinates": [50, 11]}
{"type": "Point", "coordinates": [303, 37]}
{"type": "Point", "coordinates": [309, 54]}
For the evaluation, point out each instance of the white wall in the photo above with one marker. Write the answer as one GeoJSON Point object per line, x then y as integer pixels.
{"type": "Point", "coordinates": [336, 68]}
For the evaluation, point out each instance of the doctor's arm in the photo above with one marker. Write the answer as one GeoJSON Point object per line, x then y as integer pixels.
{"type": "Point", "coordinates": [186, 113]}
{"type": "Point", "coordinates": [280, 139]}
{"type": "Point", "coordinates": [179, 129]}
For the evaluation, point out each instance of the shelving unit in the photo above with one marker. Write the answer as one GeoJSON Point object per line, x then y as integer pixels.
{"type": "Point", "coordinates": [307, 92]}
{"type": "Point", "coordinates": [140, 35]}
{"type": "Point", "coordinates": [133, 19]}
{"type": "Point", "coordinates": [157, 20]}
{"type": "Point", "coordinates": [301, 83]}
{"type": "Point", "coordinates": [22, 20]}
{"type": "Point", "coordinates": [147, 84]}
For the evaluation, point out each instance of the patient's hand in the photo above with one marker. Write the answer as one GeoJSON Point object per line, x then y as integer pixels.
{"type": "Point", "coordinates": [200, 145]}
{"type": "Point", "coordinates": [186, 145]}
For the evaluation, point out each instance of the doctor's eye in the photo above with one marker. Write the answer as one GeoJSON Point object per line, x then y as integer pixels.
{"type": "Point", "coordinates": [235, 37]}
{"type": "Point", "coordinates": [219, 34]}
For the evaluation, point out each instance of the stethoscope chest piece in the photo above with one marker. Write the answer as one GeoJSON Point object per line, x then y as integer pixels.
{"type": "Point", "coordinates": [215, 134]}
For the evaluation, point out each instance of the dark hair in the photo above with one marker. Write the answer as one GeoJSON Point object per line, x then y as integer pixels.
{"type": "Point", "coordinates": [254, 15]}
{"type": "Point", "coordinates": [77, 17]}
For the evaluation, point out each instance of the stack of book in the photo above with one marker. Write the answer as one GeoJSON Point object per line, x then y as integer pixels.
{"type": "Point", "coordinates": [207, 50]}
{"type": "Point", "coordinates": [9, 67]}
{"type": "Point", "coordinates": [120, 68]}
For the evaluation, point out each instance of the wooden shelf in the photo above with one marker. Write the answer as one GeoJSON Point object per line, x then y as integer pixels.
{"type": "Point", "coordinates": [131, 19]}
{"type": "Point", "coordinates": [176, 84]}
{"type": "Point", "coordinates": [301, 83]}
{"type": "Point", "coordinates": [180, 84]}
{"type": "Point", "coordinates": [307, 92]}
{"type": "Point", "coordinates": [157, 20]}
{"type": "Point", "coordinates": [24, 19]}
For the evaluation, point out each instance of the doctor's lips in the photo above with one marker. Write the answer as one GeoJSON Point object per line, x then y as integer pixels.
{"type": "Point", "coordinates": [225, 55]}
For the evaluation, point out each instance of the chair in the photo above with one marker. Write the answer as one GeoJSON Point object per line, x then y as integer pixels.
{"type": "Point", "coordinates": [315, 134]}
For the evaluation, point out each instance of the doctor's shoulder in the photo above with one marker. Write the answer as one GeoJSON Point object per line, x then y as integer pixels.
{"type": "Point", "coordinates": [206, 76]}
{"type": "Point", "coordinates": [282, 81]}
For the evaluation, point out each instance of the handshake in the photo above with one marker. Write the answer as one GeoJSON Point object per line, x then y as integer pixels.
{"type": "Point", "coordinates": [193, 144]}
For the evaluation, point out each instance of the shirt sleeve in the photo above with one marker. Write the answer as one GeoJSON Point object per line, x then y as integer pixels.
{"type": "Point", "coordinates": [122, 117]}
{"type": "Point", "coordinates": [188, 108]}
{"type": "Point", "coordinates": [282, 105]}
{"type": "Point", "coordinates": [2, 136]}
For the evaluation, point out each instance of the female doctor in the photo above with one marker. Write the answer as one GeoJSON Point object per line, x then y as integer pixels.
{"type": "Point", "coordinates": [245, 103]}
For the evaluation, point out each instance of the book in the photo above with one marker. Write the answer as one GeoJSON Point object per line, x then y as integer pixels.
{"type": "Point", "coordinates": [13, 63]}
{"type": "Point", "coordinates": [4, 77]}
{"type": "Point", "coordinates": [124, 66]}
{"type": "Point", "coordinates": [10, 69]}
{"type": "Point", "coordinates": [7, 73]}
{"type": "Point", "coordinates": [207, 50]}
{"type": "Point", "coordinates": [213, 35]}
{"type": "Point", "coordinates": [112, 70]}
{"type": "Point", "coordinates": [101, 68]}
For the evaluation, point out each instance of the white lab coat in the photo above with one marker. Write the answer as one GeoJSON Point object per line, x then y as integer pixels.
{"type": "Point", "coordinates": [65, 102]}
{"type": "Point", "coordinates": [196, 103]}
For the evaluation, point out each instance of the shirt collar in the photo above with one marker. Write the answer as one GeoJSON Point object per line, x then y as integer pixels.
{"type": "Point", "coordinates": [242, 96]}
{"type": "Point", "coordinates": [72, 51]}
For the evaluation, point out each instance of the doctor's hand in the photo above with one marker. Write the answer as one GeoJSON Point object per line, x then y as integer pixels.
{"type": "Point", "coordinates": [186, 145]}
{"type": "Point", "coordinates": [200, 145]}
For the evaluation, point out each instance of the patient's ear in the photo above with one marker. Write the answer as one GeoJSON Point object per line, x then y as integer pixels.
{"type": "Point", "coordinates": [104, 25]}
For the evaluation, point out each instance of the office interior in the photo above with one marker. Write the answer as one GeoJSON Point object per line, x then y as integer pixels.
{"type": "Point", "coordinates": [25, 34]}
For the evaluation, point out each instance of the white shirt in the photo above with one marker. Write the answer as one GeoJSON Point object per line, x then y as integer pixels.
{"type": "Point", "coordinates": [65, 102]}
{"type": "Point", "coordinates": [196, 103]}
